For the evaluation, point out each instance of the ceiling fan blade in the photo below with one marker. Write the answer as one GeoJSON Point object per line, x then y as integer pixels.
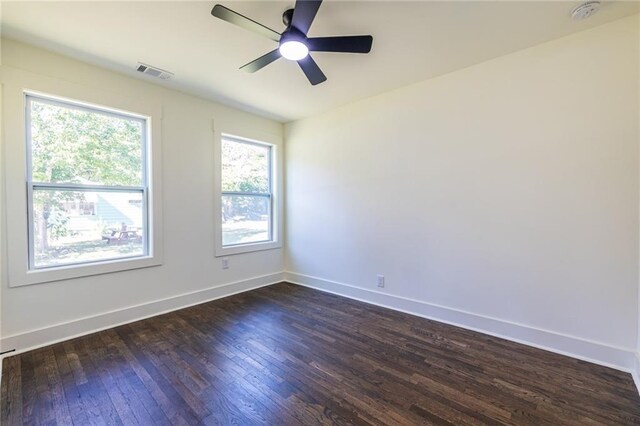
{"type": "Point", "coordinates": [303, 14]}
{"type": "Point", "coordinates": [348, 44]}
{"type": "Point", "coordinates": [219, 11]}
{"type": "Point", "coordinates": [312, 70]}
{"type": "Point", "coordinates": [261, 62]}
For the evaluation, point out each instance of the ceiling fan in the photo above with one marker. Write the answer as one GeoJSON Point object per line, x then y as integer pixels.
{"type": "Point", "coordinates": [293, 42]}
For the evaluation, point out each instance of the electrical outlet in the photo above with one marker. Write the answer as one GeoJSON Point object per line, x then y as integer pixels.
{"type": "Point", "coordinates": [225, 263]}
{"type": "Point", "coordinates": [380, 280]}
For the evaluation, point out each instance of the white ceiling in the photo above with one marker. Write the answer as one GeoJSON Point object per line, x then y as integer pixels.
{"type": "Point", "coordinates": [413, 41]}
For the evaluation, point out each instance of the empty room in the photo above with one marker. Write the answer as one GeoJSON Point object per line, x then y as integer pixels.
{"type": "Point", "coordinates": [315, 212]}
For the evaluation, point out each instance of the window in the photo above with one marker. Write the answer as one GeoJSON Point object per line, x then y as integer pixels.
{"type": "Point", "coordinates": [247, 194]}
{"type": "Point", "coordinates": [87, 184]}
{"type": "Point", "coordinates": [80, 208]}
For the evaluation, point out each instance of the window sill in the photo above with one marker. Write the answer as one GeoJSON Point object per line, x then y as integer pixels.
{"type": "Point", "coordinates": [247, 248]}
{"type": "Point", "coordinates": [85, 270]}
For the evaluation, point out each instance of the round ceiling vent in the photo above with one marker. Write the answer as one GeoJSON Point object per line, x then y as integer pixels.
{"type": "Point", "coordinates": [585, 10]}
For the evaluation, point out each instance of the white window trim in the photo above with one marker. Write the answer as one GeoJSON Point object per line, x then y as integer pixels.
{"type": "Point", "coordinates": [32, 186]}
{"type": "Point", "coordinates": [15, 86]}
{"type": "Point", "coordinates": [276, 190]}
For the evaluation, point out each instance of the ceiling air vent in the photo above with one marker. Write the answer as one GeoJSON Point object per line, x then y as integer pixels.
{"type": "Point", "coordinates": [153, 71]}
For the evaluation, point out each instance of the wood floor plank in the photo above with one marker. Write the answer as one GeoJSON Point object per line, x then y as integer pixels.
{"type": "Point", "coordinates": [290, 355]}
{"type": "Point", "coordinates": [102, 408]}
{"type": "Point", "coordinates": [75, 400]}
{"type": "Point", "coordinates": [11, 393]}
{"type": "Point", "coordinates": [56, 388]}
{"type": "Point", "coordinates": [28, 385]}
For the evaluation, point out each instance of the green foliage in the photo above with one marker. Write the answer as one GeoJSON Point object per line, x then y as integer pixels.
{"type": "Point", "coordinates": [48, 205]}
{"type": "Point", "coordinates": [57, 223]}
{"type": "Point", "coordinates": [78, 146]}
{"type": "Point", "coordinates": [245, 168]}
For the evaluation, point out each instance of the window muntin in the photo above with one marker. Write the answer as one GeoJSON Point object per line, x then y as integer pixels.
{"type": "Point", "coordinates": [247, 192]}
{"type": "Point", "coordinates": [87, 184]}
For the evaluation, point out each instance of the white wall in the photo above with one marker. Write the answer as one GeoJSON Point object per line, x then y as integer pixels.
{"type": "Point", "coordinates": [190, 269]}
{"type": "Point", "coordinates": [636, 369]}
{"type": "Point", "coordinates": [502, 197]}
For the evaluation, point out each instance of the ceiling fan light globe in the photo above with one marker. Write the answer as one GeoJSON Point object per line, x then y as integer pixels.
{"type": "Point", "coordinates": [294, 50]}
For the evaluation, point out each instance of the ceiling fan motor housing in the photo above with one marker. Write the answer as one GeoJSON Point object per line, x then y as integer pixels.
{"type": "Point", "coordinates": [287, 16]}
{"type": "Point", "coordinates": [292, 34]}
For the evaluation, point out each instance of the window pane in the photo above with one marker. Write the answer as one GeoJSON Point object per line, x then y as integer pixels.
{"type": "Point", "coordinates": [245, 167]}
{"type": "Point", "coordinates": [76, 227]}
{"type": "Point", "coordinates": [81, 146]}
{"type": "Point", "coordinates": [245, 219]}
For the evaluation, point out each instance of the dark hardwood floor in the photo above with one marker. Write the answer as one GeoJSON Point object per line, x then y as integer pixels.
{"type": "Point", "coordinates": [289, 355]}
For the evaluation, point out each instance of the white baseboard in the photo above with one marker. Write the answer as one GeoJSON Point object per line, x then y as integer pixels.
{"type": "Point", "coordinates": [33, 339]}
{"type": "Point", "coordinates": [596, 352]}
{"type": "Point", "coordinates": [622, 359]}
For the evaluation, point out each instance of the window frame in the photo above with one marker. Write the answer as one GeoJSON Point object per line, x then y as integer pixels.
{"type": "Point", "coordinates": [275, 183]}
{"type": "Point", "coordinates": [16, 87]}
{"type": "Point", "coordinates": [33, 186]}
